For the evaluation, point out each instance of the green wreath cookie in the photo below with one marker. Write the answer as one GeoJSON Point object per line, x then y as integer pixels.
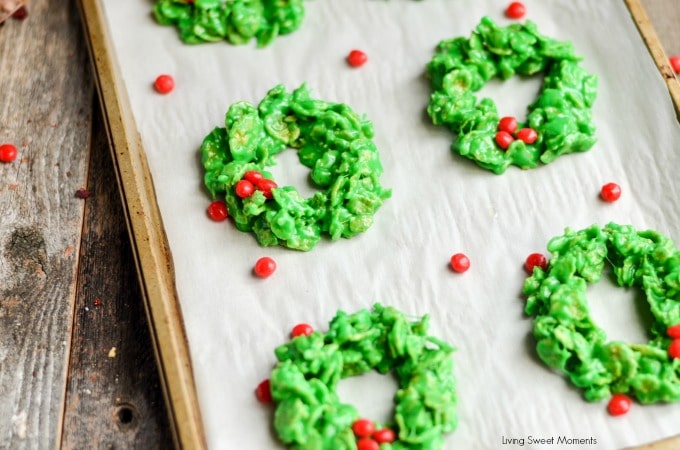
{"type": "Point", "coordinates": [330, 138]}
{"type": "Point", "coordinates": [237, 21]}
{"type": "Point", "coordinates": [567, 338]}
{"type": "Point", "coordinates": [309, 414]}
{"type": "Point", "coordinates": [558, 121]}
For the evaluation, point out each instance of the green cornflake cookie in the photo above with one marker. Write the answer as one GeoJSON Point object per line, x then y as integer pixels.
{"type": "Point", "coordinates": [560, 116]}
{"type": "Point", "coordinates": [567, 338]}
{"type": "Point", "coordinates": [309, 414]}
{"type": "Point", "coordinates": [330, 138]}
{"type": "Point", "coordinates": [237, 21]}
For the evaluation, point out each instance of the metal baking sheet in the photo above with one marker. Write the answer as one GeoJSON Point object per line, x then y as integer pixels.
{"type": "Point", "coordinates": [441, 204]}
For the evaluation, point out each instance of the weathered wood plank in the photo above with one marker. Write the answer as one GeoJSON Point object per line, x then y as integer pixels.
{"type": "Point", "coordinates": [45, 110]}
{"type": "Point", "coordinates": [114, 397]}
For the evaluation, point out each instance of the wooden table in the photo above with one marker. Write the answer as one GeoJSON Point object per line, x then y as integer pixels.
{"type": "Point", "coordinates": [77, 368]}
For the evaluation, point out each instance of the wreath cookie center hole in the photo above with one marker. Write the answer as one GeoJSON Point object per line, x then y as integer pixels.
{"type": "Point", "coordinates": [572, 340]}
{"type": "Point", "coordinates": [512, 96]}
{"type": "Point", "coordinates": [623, 313]}
{"type": "Point", "coordinates": [341, 169]}
{"type": "Point", "coordinates": [558, 120]}
{"type": "Point", "coordinates": [289, 171]}
{"type": "Point", "coordinates": [372, 394]}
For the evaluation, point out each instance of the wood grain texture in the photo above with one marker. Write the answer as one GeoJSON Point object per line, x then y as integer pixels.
{"type": "Point", "coordinates": [45, 110]}
{"type": "Point", "coordinates": [114, 397]}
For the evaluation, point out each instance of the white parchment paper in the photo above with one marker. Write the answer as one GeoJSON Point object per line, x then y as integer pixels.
{"type": "Point", "coordinates": [441, 204]}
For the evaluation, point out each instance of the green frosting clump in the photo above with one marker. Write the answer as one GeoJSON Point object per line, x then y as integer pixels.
{"type": "Point", "coordinates": [567, 338]}
{"type": "Point", "coordinates": [309, 413]}
{"type": "Point", "coordinates": [237, 21]}
{"type": "Point", "coordinates": [330, 138]}
{"type": "Point", "coordinates": [561, 115]}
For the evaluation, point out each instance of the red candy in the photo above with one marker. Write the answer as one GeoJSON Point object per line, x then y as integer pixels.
{"type": "Point", "coordinates": [8, 153]}
{"type": "Point", "coordinates": [674, 331]}
{"type": "Point", "coordinates": [266, 185]}
{"type": "Point", "coordinates": [263, 392]}
{"type": "Point", "coordinates": [534, 260]}
{"type": "Point", "coordinates": [20, 14]}
{"type": "Point", "coordinates": [674, 349]}
{"type": "Point", "coordinates": [516, 10]}
{"type": "Point", "coordinates": [504, 139]}
{"type": "Point", "coordinates": [357, 58]}
{"type": "Point", "coordinates": [367, 444]}
{"type": "Point", "coordinates": [675, 63]}
{"type": "Point", "coordinates": [253, 176]}
{"type": "Point", "coordinates": [363, 428]}
{"type": "Point", "coordinates": [460, 263]}
{"type": "Point", "coordinates": [508, 124]}
{"type": "Point", "coordinates": [264, 267]}
{"type": "Point", "coordinates": [302, 329]}
{"type": "Point", "coordinates": [82, 193]}
{"type": "Point", "coordinates": [527, 135]}
{"type": "Point", "coordinates": [164, 84]}
{"type": "Point", "coordinates": [384, 436]}
{"type": "Point", "coordinates": [619, 404]}
{"type": "Point", "coordinates": [610, 192]}
{"type": "Point", "coordinates": [217, 211]}
{"type": "Point", "coordinates": [244, 188]}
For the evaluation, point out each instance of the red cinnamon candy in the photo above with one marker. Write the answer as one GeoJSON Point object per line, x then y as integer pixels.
{"type": "Point", "coordinates": [16, 8]}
